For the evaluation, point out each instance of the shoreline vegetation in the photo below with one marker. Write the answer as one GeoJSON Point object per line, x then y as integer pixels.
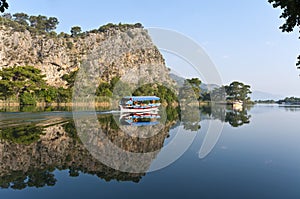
{"type": "Point", "coordinates": [26, 85]}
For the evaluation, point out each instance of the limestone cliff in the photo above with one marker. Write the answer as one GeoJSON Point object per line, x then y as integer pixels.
{"type": "Point", "coordinates": [118, 50]}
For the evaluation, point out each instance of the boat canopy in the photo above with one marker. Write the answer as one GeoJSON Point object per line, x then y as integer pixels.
{"type": "Point", "coordinates": [143, 123]}
{"type": "Point", "coordinates": [141, 98]}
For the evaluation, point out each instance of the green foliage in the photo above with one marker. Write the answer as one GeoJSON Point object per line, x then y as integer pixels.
{"type": "Point", "coordinates": [238, 91]}
{"type": "Point", "coordinates": [265, 101]}
{"type": "Point", "coordinates": [291, 14]}
{"type": "Point", "coordinates": [165, 94]}
{"type": "Point", "coordinates": [25, 134]}
{"type": "Point", "coordinates": [205, 96]}
{"type": "Point", "coordinates": [70, 129]}
{"type": "Point", "coordinates": [173, 113]}
{"type": "Point", "coordinates": [21, 18]}
{"type": "Point", "coordinates": [191, 89]}
{"type": "Point", "coordinates": [43, 23]}
{"type": "Point", "coordinates": [104, 89]}
{"type": "Point", "coordinates": [120, 26]}
{"type": "Point", "coordinates": [35, 24]}
{"type": "Point", "coordinates": [27, 85]}
{"type": "Point", "coordinates": [3, 5]}
{"type": "Point", "coordinates": [15, 81]}
{"type": "Point", "coordinates": [237, 118]}
{"type": "Point", "coordinates": [218, 94]}
{"type": "Point", "coordinates": [70, 78]}
{"type": "Point", "coordinates": [19, 180]}
{"type": "Point", "coordinates": [108, 121]}
{"type": "Point", "coordinates": [75, 31]}
{"type": "Point", "coordinates": [27, 98]}
{"type": "Point", "coordinates": [51, 24]}
{"type": "Point", "coordinates": [290, 100]}
{"type": "Point", "coordinates": [70, 45]}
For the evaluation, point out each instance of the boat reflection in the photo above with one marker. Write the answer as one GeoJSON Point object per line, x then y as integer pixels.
{"type": "Point", "coordinates": [140, 119]}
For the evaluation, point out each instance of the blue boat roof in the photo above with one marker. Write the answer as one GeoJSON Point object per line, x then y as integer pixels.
{"type": "Point", "coordinates": [141, 98]}
{"type": "Point", "coordinates": [144, 123]}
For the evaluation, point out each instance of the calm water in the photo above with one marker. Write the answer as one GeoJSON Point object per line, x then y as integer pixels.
{"type": "Point", "coordinates": [257, 155]}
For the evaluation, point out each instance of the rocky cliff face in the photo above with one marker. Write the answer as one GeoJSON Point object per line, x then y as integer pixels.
{"type": "Point", "coordinates": [117, 51]}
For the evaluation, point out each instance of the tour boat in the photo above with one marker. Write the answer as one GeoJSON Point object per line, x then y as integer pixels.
{"type": "Point", "coordinates": [139, 104]}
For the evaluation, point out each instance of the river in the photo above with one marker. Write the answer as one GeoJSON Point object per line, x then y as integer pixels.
{"type": "Point", "coordinates": [209, 153]}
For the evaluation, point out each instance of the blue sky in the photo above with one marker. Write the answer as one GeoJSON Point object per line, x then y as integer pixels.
{"type": "Point", "coordinates": [241, 37]}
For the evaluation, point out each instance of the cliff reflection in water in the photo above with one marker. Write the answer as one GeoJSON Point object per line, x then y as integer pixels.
{"type": "Point", "coordinates": [34, 145]}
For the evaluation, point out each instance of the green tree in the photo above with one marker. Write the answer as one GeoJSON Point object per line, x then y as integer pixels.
{"type": "Point", "coordinates": [70, 78]}
{"type": "Point", "coordinates": [291, 14]}
{"type": "Point", "coordinates": [218, 94]}
{"type": "Point", "coordinates": [15, 81]}
{"type": "Point", "coordinates": [21, 18]}
{"type": "Point", "coordinates": [6, 89]}
{"type": "Point", "coordinates": [51, 24]}
{"type": "Point", "coordinates": [104, 89]}
{"type": "Point", "coordinates": [7, 16]}
{"type": "Point", "coordinates": [75, 30]}
{"type": "Point", "coordinates": [38, 22]}
{"type": "Point", "coordinates": [3, 5]}
{"type": "Point", "coordinates": [43, 23]}
{"type": "Point", "coordinates": [238, 91]}
{"type": "Point", "coordinates": [27, 98]}
{"type": "Point", "coordinates": [191, 89]}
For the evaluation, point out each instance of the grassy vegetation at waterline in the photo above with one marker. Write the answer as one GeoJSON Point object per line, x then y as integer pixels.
{"type": "Point", "coordinates": [285, 101]}
{"type": "Point", "coordinates": [26, 85]}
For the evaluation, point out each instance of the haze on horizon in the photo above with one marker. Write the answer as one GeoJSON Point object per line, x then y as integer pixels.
{"type": "Point", "coordinates": [241, 38]}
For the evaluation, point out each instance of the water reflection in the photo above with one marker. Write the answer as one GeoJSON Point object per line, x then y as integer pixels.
{"type": "Point", "coordinates": [235, 117]}
{"type": "Point", "coordinates": [292, 108]}
{"type": "Point", "coordinates": [140, 119]}
{"type": "Point", "coordinates": [30, 155]}
{"type": "Point", "coordinates": [35, 145]}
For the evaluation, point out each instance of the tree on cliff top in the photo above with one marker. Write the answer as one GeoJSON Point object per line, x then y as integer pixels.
{"type": "Point", "coordinates": [75, 30]}
{"type": "Point", "coordinates": [21, 18]}
{"type": "Point", "coordinates": [43, 23]}
{"type": "Point", "coordinates": [291, 14]}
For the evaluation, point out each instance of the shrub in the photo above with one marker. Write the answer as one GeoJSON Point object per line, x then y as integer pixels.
{"type": "Point", "coordinates": [27, 98]}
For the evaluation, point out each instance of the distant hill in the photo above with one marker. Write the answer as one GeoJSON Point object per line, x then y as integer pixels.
{"type": "Point", "coordinates": [204, 87]}
{"type": "Point", "coordinates": [260, 95]}
{"type": "Point", "coordinates": [177, 79]}
{"type": "Point", "coordinates": [208, 87]}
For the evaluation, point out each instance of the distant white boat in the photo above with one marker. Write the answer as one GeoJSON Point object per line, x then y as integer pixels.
{"type": "Point", "coordinates": [134, 104]}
